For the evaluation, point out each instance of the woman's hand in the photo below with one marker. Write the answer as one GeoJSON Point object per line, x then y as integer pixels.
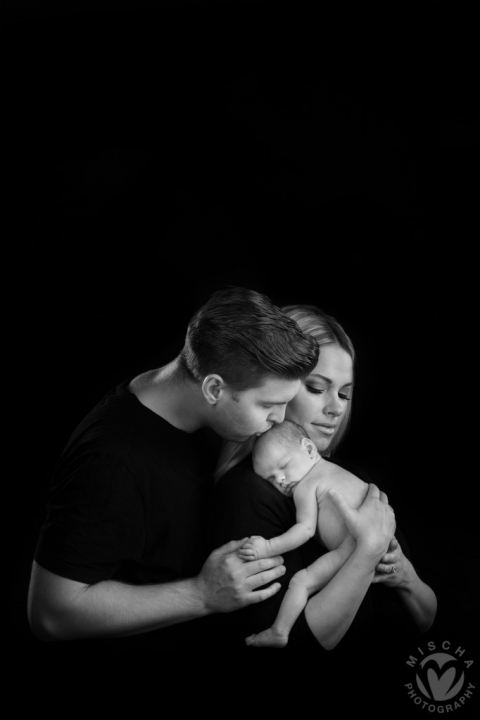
{"type": "Point", "coordinates": [394, 569]}
{"type": "Point", "coordinates": [372, 524]}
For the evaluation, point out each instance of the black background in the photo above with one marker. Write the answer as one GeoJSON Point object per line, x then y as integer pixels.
{"type": "Point", "coordinates": [320, 156]}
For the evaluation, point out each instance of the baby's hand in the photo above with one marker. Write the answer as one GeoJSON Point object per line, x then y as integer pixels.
{"type": "Point", "coordinates": [255, 548]}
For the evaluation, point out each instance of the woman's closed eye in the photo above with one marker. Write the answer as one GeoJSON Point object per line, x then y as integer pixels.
{"type": "Point", "coordinates": [315, 391]}
{"type": "Point", "coordinates": [319, 391]}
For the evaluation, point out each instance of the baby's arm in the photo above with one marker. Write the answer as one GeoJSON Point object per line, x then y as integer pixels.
{"type": "Point", "coordinates": [305, 498]}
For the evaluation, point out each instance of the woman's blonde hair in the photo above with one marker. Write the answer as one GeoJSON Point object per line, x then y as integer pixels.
{"type": "Point", "coordinates": [326, 331]}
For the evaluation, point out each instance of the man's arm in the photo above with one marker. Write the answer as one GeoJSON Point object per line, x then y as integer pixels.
{"type": "Point", "coordinates": [64, 609]}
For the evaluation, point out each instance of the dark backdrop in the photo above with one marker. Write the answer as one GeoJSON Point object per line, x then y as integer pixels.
{"type": "Point", "coordinates": [320, 157]}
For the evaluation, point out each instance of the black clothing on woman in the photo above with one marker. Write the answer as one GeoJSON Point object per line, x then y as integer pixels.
{"type": "Point", "coordinates": [244, 504]}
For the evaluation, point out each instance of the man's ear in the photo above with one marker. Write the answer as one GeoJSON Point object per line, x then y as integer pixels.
{"type": "Point", "coordinates": [309, 446]}
{"type": "Point", "coordinates": [212, 388]}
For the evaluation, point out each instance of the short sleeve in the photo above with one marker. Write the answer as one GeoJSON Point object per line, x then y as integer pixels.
{"type": "Point", "coordinates": [95, 521]}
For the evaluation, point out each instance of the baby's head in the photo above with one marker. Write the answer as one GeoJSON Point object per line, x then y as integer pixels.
{"type": "Point", "coordinates": [284, 455]}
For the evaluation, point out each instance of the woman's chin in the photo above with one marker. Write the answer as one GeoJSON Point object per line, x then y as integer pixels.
{"type": "Point", "coordinates": [321, 441]}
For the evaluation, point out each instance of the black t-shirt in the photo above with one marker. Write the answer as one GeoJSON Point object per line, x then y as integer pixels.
{"type": "Point", "coordinates": [243, 504]}
{"type": "Point", "coordinates": [128, 499]}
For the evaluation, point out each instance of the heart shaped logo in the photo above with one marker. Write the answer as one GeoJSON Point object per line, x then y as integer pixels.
{"type": "Point", "coordinates": [439, 677]}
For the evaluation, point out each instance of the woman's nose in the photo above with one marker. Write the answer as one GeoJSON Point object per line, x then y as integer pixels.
{"type": "Point", "coordinates": [334, 408]}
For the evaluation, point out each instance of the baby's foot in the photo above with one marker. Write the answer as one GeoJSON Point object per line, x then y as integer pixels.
{"type": "Point", "coordinates": [268, 638]}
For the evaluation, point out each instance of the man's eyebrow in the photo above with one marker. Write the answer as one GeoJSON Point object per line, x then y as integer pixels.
{"type": "Point", "coordinates": [328, 379]}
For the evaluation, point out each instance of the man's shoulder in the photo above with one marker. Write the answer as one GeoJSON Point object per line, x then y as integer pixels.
{"type": "Point", "coordinates": [113, 405]}
{"type": "Point", "coordinates": [119, 417]}
{"type": "Point", "coordinates": [119, 430]}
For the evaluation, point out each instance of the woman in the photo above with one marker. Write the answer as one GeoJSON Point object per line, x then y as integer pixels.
{"type": "Point", "coordinates": [245, 505]}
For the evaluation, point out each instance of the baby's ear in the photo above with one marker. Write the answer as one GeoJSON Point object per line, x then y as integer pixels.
{"type": "Point", "coordinates": [309, 446]}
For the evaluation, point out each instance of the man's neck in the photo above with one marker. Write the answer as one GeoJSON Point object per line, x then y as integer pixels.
{"type": "Point", "coordinates": [167, 393]}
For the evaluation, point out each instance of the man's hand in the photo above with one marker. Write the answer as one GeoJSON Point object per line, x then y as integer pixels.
{"type": "Point", "coordinates": [372, 525]}
{"type": "Point", "coordinates": [227, 583]}
{"type": "Point", "coordinates": [255, 548]}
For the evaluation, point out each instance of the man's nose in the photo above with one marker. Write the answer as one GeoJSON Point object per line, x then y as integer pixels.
{"type": "Point", "coordinates": [277, 414]}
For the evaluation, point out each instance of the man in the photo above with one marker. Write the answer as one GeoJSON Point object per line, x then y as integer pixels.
{"type": "Point", "coordinates": [122, 549]}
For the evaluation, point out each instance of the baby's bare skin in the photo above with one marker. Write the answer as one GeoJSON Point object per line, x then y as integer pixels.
{"type": "Point", "coordinates": [298, 471]}
{"type": "Point", "coordinates": [331, 529]}
{"type": "Point", "coordinates": [316, 513]}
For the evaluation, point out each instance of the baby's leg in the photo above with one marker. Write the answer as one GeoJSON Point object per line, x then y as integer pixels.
{"type": "Point", "coordinates": [292, 605]}
{"type": "Point", "coordinates": [303, 584]}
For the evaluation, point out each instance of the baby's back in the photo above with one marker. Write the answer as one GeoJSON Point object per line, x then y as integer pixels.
{"type": "Point", "coordinates": [331, 528]}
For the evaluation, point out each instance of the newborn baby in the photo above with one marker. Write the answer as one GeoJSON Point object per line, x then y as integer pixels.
{"type": "Point", "coordinates": [287, 458]}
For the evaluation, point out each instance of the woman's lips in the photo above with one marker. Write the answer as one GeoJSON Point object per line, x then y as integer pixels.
{"type": "Point", "coordinates": [326, 429]}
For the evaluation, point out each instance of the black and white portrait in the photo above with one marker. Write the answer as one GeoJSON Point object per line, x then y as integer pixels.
{"type": "Point", "coordinates": [323, 158]}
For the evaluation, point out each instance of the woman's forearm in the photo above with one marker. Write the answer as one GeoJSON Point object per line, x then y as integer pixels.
{"type": "Point", "coordinates": [419, 599]}
{"type": "Point", "coordinates": [330, 612]}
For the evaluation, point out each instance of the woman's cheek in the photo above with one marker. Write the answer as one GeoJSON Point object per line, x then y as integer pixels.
{"type": "Point", "coordinates": [307, 407]}
{"type": "Point", "coordinates": [299, 410]}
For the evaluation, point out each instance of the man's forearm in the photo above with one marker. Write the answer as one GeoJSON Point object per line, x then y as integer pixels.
{"type": "Point", "coordinates": [60, 608]}
{"type": "Point", "coordinates": [330, 612]}
{"type": "Point", "coordinates": [66, 610]}
{"type": "Point", "coordinates": [117, 609]}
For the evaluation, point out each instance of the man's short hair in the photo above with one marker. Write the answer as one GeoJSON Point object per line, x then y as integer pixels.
{"type": "Point", "coordinates": [241, 336]}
